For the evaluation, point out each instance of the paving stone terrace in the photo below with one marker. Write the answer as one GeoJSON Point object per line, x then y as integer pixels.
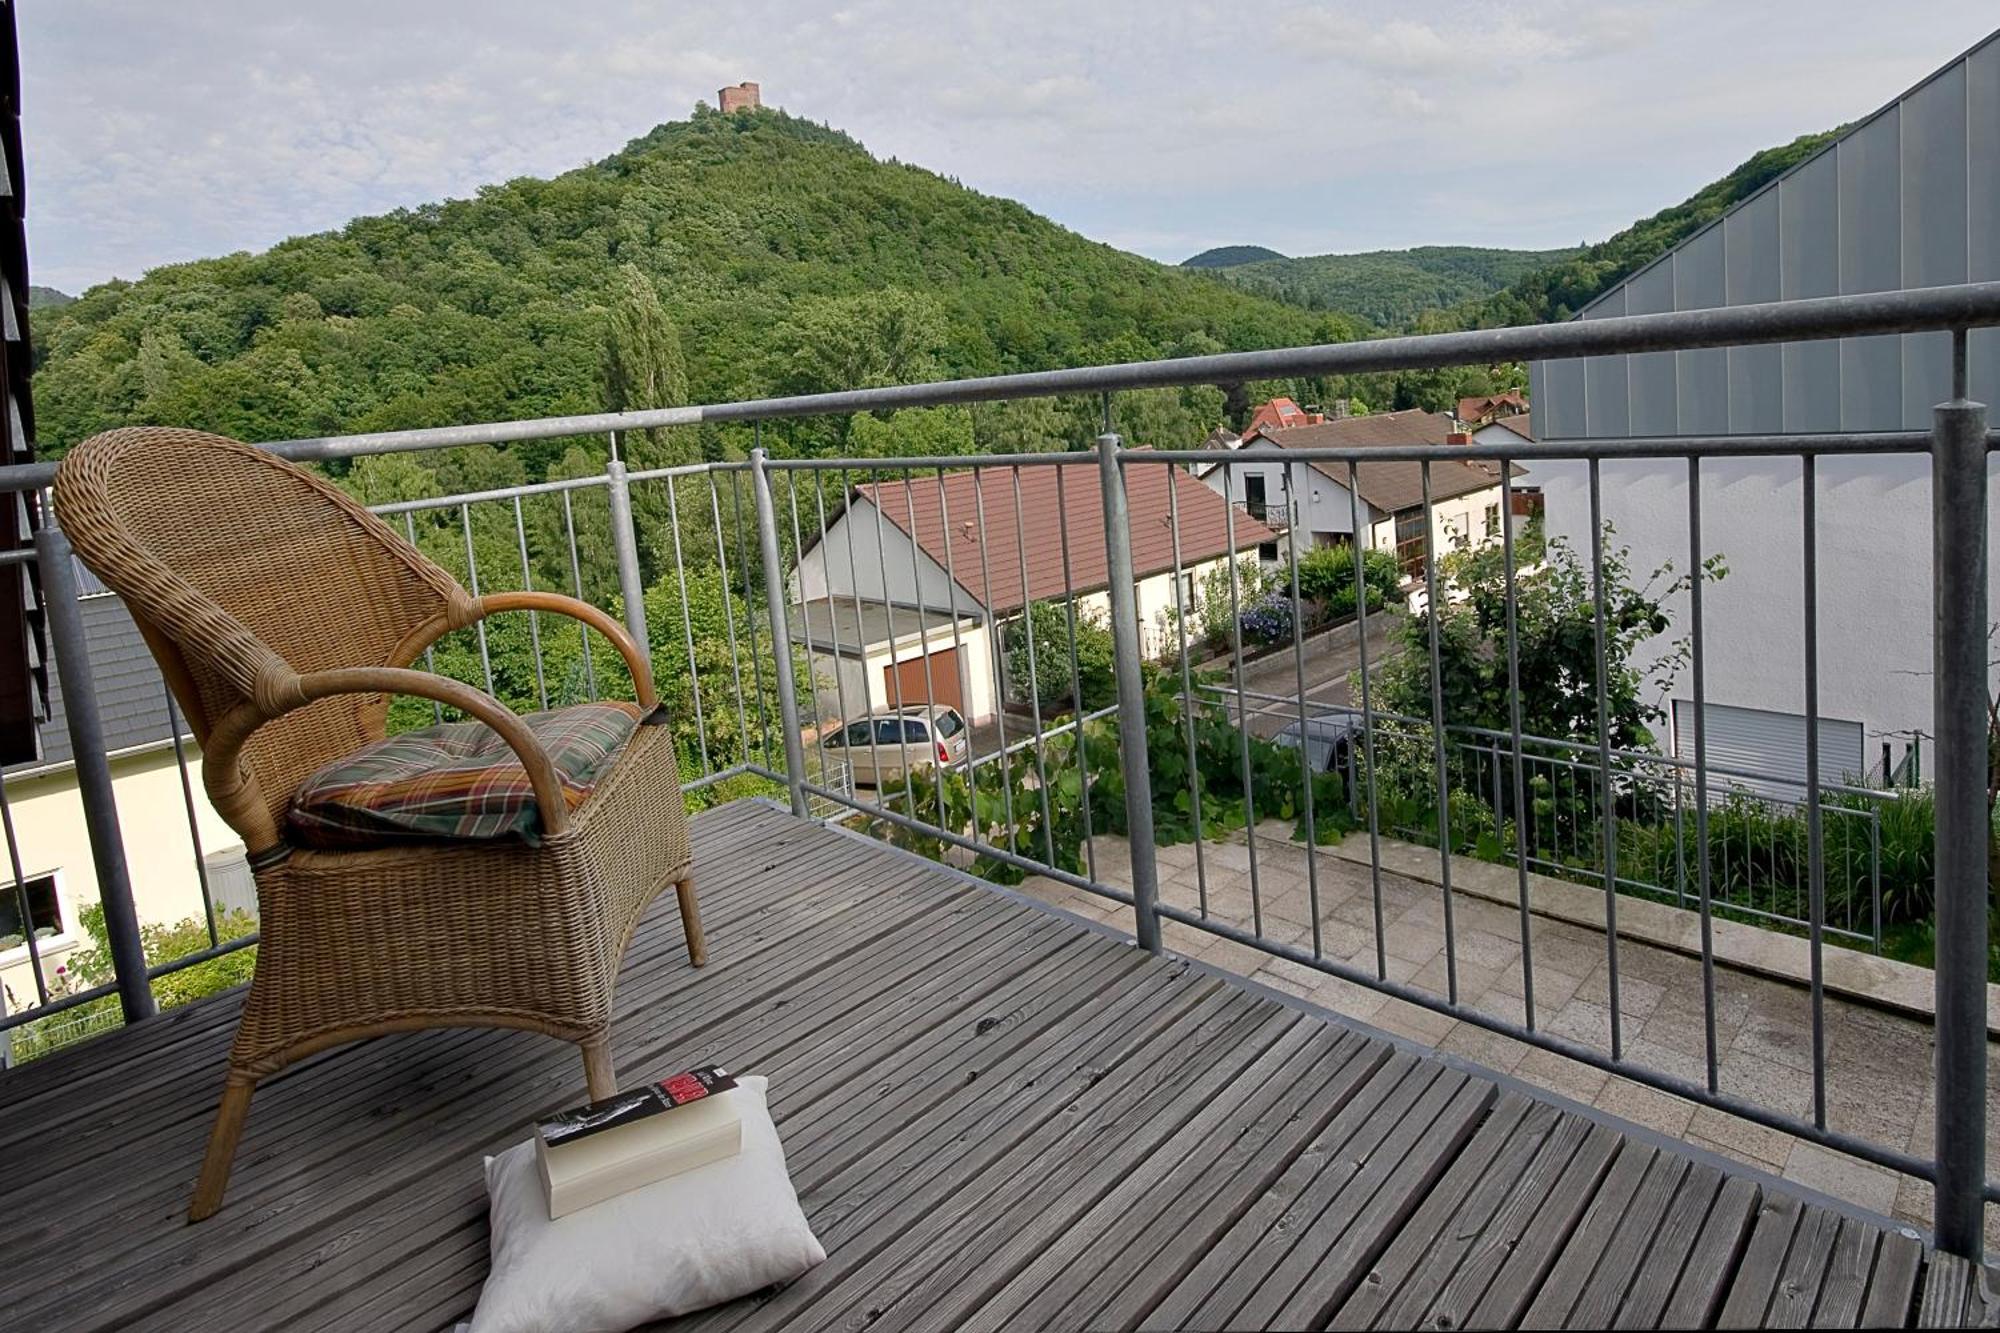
{"type": "Point", "coordinates": [1879, 1062]}
{"type": "Point", "coordinates": [996, 1115]}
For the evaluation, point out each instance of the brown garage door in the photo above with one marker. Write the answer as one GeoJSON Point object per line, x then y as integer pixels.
{"type": "Point", "coordinates": [942, 686]}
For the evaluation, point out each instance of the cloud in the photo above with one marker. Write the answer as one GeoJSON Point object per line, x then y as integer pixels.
{"type": "Point", "coordinates": [160, 133]}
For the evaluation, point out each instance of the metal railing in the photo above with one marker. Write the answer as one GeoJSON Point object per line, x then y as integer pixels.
{"type": "Point", "coordinates": [1146, 761]}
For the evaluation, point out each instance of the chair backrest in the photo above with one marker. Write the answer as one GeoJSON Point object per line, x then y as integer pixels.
{"type": "Point", "coordinates": [242, 569]}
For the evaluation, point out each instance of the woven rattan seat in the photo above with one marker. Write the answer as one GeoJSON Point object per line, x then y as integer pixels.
{"type": "Point", "coordinates": [284, 616]}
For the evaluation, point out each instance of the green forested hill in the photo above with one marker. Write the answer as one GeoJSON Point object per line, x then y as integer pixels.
{"type": "Point", "coordinates": [786, 257]}
{"type": "Point", "coordinates": [1390, 287]}
{"type": "Point", "coordinates": [1558, 290]}
{"type": "Point", "coordinates": [1229, 256]}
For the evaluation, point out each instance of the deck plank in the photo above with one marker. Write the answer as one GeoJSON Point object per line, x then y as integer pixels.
{"type": "Point", "coordinates": [1057, 1130]}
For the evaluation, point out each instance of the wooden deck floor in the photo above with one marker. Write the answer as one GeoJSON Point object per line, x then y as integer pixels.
{"type": "Point", "coordinates": [995, 1117]}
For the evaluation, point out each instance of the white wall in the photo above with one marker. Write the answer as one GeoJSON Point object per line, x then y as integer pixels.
{"type": "Point", "coordinates": [882, 569]}
{"type": "Point", "coordinates": [1874, 576]}
{"type": "Point", "coordinates": [152, 815]}
{"type": "Point", "coordinates": [1326, 505]}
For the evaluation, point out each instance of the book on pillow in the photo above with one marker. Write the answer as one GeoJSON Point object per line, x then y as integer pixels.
{"type": "Point", "coordinates": [593, 1152]}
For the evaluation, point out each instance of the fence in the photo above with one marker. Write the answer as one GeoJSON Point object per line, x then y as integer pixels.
{"type": "Point", "coordinates": [939, 572]}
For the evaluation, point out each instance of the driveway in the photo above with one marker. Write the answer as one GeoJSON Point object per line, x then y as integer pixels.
{"type": "Point", "coordinates": [1330, 660]}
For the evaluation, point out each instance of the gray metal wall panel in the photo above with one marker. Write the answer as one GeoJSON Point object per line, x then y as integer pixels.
{"type": "Point", "coordinates": [1558, 397]}
{"type": "Point", "coordinates": [1606, 403]}
{"type": "Point", "coordinates": [1756, 374]}
{"type": "Point", "coordinates": [1982, 205]}
{"type": "Point", "coordinates": [1871, 260]}
{"type": "Point", "coordinates": [1809, 265]}
{"type": "Point", "coordinates": [1702, 376]}
{"type": "Point", "coordinates": [1910, 198]}
{"type": "Point", "coordinates": [1650, 378]}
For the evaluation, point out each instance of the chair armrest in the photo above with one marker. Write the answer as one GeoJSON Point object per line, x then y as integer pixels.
{"type": "Point", "coordinates": [225, 741]}
{"type": "Point", "coordinates": [557, 604]}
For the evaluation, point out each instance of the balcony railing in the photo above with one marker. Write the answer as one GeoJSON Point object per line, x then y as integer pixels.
{"type": "Point", "coordinates": [755, 705]}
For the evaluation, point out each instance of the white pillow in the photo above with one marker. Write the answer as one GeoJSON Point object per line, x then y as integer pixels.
{"type": "Point", "coordinates": [684, 1243]}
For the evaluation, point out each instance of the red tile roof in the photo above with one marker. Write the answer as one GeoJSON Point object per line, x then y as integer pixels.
{"type": "Point", "coordinates": [1393, 486]}
{"type": "Point", "coordinates": [1204, 526]}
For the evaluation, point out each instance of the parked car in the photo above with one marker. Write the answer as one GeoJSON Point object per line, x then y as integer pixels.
{"type": "Point", "coordinates": [880, 748]}
{"type": "Point", "coordinates": [1330, 738]}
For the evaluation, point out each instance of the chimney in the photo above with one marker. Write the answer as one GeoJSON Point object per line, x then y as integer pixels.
{"type": "Point", "coordinates": [1341, 408]}
{"type": "Point", "coordinates": [1459, 437]}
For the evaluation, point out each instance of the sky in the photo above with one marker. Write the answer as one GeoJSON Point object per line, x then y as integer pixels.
{"type": "Point", "coordinates": [163, 132]}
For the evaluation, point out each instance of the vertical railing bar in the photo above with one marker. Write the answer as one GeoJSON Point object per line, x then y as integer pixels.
{"type": "Point", "coordinates": [924, 643]}
{"type": "Point", "coordinates": [895, 683]}
{"type": "Point", "coordinates": [1295, 515]}
{"type": "Point", "coordinates": [1697, 665]}
{"type": "Point", "coordinates": [1122, 587]}
{"type": "Point", "coordinates": [1435, 615]}
{"type": "Point", "coordinates": [430, 650]}
{"type": "Point", "coordinates": [21, 895]}
{"type": "Point", "coordinates": [1187, 697]}
{"type": "Point", "coordinates": [472, 577]}
{"type": "Point", "coordinates": [1034, 679]}
{"type": "Point", "coordinates": [576, 582]}
{"type": "Point", "coordinates": [1510, 574]}
{"type": "Point", "coordinates": [1607, 815]}
{"type": "Point", "coordinates": [1242, 693]}
{"type": "Point", "coordinates": [194, 821]}
{"type": "Point", "coordinates": [995, 644]}
{"type": "Point", "coordinates": [729, 619]}
{"type": "Point", "coordinates": [1815, 833]}
{"type": "Point", "coordinates": [958, 639]}
{"type": "Point", "coordinates": [1368, 716]}
{"type": "Point", "coordinates": [833, 628]}
{"type": "Point", "coordinates": [708, 764]}
{"type": "Point", "coordinates": [534, 617]}
{"type": "Point", "coordinates": [852, 491]}
{"type": "Point", "coordinates": [1076, 675]}
{"type": "Point", "coordinates": [750, 603]}
{"type": "Point", "coordinates": [1962, 705]}
{"type": "Point", "coordinates": [771, 556]}
{"type": "Point", "coordinates": [805, 622]}
{"type": "Point", "coordinates": [1875, 876]}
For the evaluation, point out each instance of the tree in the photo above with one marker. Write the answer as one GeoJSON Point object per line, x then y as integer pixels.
{"type": "Point", "coordinates": [643, 366]}
{"type": "Point", "coordinates": [1054, 673]}
{"type": "Point", "coordinates": [876, 338]}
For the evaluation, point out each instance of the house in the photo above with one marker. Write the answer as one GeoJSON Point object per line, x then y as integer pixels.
{"type": "Point", "coordinates": [894, 608]}
{"type": "Point", "coordinates": [1279, 414]}
{"type": "Point", "coordinates": [1484, 409]}
{"type": "Point", "coordinates": [155, 812]}
{"type": "Point", "coordinates": [1908, 197]}
{"type": "Point", "coordinates": [1314, 501]}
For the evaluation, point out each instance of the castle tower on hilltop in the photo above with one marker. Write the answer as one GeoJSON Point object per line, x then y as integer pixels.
{"type": "Point", "coordinates": [742, 97]}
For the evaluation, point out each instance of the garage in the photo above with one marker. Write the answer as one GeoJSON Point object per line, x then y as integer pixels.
{"type": "Point", "coordinates": [1764, 751]}
{"type": "Point", "coordinates": [940, 684]}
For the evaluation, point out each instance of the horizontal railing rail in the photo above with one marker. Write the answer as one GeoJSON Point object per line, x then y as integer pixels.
{"type": "Point", "coordinates": [786, 600]}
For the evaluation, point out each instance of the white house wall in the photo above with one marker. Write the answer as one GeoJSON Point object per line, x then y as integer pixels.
{"type": "Point", "coordinates": [1326, 505]}
{"type": "Point", "coordinates": [1874, 576]}
{"type": "Point", "coordinates": [883, 569]}
{"type": "Point", "coordinates": [849, 687]}
{"type": "Point", "coordinates": [1459, 521]}
{"type": "Point", "coordinates": [152, 816]}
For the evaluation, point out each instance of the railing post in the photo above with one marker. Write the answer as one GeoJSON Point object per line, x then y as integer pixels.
{"type": "Point", "coordinates": [93, 774]}
{"type": "Point", "coordinates": [625, 544]}
{"type": "Point", "coordinates": [781, 630]}
{"type": "Point", "coordinates": [1959, 579]}
{"type": "Point", "coordinates": [1131, 693]}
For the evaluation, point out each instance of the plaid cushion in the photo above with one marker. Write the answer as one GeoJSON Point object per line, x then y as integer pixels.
{"type": "Point", "coordinates": [457, 780]}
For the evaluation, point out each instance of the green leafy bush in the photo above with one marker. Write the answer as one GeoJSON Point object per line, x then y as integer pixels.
{"type": "Point", "coordinates": [1054, 672]}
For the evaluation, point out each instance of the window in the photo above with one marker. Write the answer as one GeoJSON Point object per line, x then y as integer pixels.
{"type": "Point", "coordinates": [896, 730]}
{"type": "Point", "coordinates": [949, 724]}
{"type": "Point", "coordinates": [1187, 593]}
{"type": "Point", "coordinates": [1253, 495]}
{"type": "Point", "coordinates": [1493, 520]}
{"type": "Point", "coordinates": [1411, 546]}
{"type": "Point", "coordinates": [44, 910]}
{"type": "Point", "coordinates": [856, 734]}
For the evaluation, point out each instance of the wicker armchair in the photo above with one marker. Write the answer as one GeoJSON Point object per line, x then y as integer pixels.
{"type": "Point", "coordinates": [284, 616]}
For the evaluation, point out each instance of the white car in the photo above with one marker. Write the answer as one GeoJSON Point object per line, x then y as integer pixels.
{"type": "Point", "coordinates": [884, 746]}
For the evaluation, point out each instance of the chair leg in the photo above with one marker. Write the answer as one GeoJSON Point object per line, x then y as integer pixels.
{"type": "Point", "coordinates": [222, 1142]}
{"type": "Point", "coordinates": [691, 922]}
{"type": "Point", "coordinates": [599, 1076]}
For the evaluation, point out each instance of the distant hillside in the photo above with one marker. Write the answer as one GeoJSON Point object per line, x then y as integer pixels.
{"type": "Point", "coordinates": [1390, 287]}
{"type": "Point", "coordinates": [47, 298]}
{"type": "Point", "coordinates": [1557, 290]}
{"type": "Point", "coordinates": [1229, 256]}
{"type": "Point", "coordinates": [787, 257]}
